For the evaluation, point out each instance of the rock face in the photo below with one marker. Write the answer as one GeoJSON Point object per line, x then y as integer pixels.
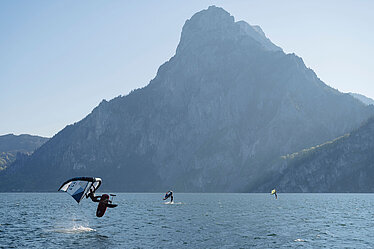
{"type": "Point", "coordinates": [213, 119]}
{"type": "Point", "coordinates": [345, 164]}
{"type": "Point", "coordinates": [12, 146]}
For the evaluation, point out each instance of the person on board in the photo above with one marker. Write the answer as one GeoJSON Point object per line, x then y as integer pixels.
{"type": "Point", "coordinates": [169, 194]}
{"type": "Point", "coordinates": [103, 201]}
{"type": "Point", "coordinates": [101, 198]}
{"type": "Point", "coordinates": [274, 192]}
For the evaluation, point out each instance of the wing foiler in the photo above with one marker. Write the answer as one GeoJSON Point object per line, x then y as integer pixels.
{"type": "Point", "coordinates": [80, 187]}
{"type": "Point", "coordinates": [274, 192]}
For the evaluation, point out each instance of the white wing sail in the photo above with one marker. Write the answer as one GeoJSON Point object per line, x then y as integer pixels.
{"type": "Point", "coordinates": [80, 187]}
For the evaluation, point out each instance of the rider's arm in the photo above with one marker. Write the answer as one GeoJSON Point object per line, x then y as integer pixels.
{"type": "Point", "coordinates": [94, 198]}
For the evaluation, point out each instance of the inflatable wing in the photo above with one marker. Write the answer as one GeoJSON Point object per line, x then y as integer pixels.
{"type": "Point", "coordinates": [80, 187]}
{"type": "Point", "coordinates": [168, 194]}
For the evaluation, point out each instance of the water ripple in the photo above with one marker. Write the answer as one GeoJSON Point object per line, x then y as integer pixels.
{"type": "Point", "coordinates": [195, 221]}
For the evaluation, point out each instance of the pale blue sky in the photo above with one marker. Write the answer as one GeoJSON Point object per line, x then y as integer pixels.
{"type": "Point", "coordinates": [59, 59]}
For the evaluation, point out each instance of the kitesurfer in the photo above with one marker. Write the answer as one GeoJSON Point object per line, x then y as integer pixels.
{"type": "Point", "coordinates": [169, 194]}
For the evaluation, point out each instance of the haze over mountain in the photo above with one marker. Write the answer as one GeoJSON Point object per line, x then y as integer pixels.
{"type": "Point", "coordinates": [12, 146]}
{"type": "Point", "coordinates": [215, 117]}
{"type": "Point", "coordinates": [363, 98]}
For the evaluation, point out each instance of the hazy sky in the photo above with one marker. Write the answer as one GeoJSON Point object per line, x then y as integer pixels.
{"type": "Point", "coordinates": [59, 59]}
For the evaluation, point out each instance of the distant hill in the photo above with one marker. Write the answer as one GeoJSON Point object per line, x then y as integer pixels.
{"type": "Point", "coordinates": [214, 118]}
{"type": "Point", "coordinates": [363, 98]}
{"type": "Point", "coordinates": [11, 145]}
{"type": "Point", "coordinates": [21, 143]}
{"type": "Point", "coordinates": [345, 164]}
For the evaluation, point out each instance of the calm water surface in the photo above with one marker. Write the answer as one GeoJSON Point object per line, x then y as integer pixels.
{"type": "Point", "coordinates": [54, 220]}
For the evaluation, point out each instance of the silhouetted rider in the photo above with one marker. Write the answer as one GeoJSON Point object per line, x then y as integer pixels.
{"type": "Point", "coordinates": [169, 194]}
{"type": "Point", "coordinates": [101, 198]}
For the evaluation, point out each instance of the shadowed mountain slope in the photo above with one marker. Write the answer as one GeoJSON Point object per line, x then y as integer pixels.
{"type": "Point", "coordinates": [345, 164]}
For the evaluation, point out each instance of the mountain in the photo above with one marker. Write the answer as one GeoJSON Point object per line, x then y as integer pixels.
{"type": "Point", "coordinates": [215, 117]}
{"type": "Point", "coordinates": [345, 164]}
{"type": "Point", "coordinates": [12, 145]}
{"type": "Point", "coordinates": [363, 98]}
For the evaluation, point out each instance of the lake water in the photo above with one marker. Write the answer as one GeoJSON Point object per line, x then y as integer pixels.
{"type": "Point", "coordinates": [54, 220]}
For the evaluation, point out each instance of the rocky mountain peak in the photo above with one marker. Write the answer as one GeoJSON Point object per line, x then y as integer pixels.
{"type": "Point", "coordinates": [204, 27]}
{"type": "Point", "coordinates": [211, 19]}
{"type": "Point", "coordinates": [213, 25]}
